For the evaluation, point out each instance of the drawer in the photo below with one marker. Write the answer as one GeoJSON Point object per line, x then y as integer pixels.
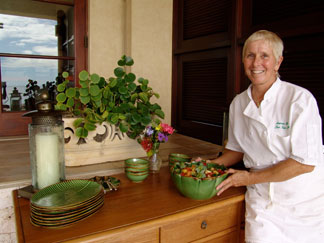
{"type": "Point", "coordinates": [137, 234]}
{"type": "Point", "coordinates": [202, 224]}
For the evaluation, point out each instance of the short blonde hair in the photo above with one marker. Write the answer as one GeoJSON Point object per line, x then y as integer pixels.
{"type": "Point", "coordinates": [273, 39]}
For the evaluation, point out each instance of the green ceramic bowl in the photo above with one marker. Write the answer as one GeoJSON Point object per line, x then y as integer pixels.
{"type": "Point", "coordinates": [137, 170]}
{"type": "Point", "coordinates": [137, 162]}
{"type": "Point", "coordinates": [174, 157]}
{"type": "Point", "coordinates": [137, 177]}
{"type": "Point", "coordinates": [196, 188]}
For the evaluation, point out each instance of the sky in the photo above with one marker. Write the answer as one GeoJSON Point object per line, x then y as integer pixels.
{"type": "Point", "coordinates": [25, 35]}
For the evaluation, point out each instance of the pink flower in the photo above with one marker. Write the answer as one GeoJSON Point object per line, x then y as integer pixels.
{"type": "Point", "coordinates": [167, 128]}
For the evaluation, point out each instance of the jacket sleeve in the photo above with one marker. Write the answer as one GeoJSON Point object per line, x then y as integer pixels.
{"type": "Point", "coordinates": [306, 134]}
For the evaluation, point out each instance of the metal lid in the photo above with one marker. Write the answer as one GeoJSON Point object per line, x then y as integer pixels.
{"type": "Point", "coordinates": [45, 114]}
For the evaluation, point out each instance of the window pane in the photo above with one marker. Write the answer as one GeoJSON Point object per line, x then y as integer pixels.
{"type": "Point", "coordinates": [36, 28]}
{"type": "Point", "coordinates": [23, 79]}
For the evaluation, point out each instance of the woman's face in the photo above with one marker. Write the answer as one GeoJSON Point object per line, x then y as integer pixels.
{"type": "Point", "coordinates": [260, 64]}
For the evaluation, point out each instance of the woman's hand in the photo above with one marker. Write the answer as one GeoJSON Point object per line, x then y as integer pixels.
{"type": "Point", "coordinates": [237, 178]}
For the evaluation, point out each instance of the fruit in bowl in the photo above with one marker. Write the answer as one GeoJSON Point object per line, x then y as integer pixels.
{"type": "Point", "coordinates": [198, 179]}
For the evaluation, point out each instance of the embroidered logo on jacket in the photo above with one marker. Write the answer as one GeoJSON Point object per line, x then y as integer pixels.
{"type": "Point", "coordinates": [282, 125]}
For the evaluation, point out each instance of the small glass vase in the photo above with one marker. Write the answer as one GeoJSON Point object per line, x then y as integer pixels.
{"type": "Point", "coordinates": [155, 159]}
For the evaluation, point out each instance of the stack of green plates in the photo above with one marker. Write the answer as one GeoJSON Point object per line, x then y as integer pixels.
{"type": "Point", "coordinates": [65, 203]}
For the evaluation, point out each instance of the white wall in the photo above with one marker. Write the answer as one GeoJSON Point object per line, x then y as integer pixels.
{"type": "Point", "coordinates": [139, 28]}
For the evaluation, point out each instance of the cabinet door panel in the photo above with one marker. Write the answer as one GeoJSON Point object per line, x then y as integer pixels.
{"type": "Point", "coordinates": [201, 225]}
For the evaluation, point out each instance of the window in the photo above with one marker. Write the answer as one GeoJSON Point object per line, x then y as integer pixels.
{"type": "Point", "coordinates": [38, 41]}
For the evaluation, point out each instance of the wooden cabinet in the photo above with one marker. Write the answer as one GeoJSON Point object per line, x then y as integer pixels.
{"type": "Point", "coordinates": [152, 211]}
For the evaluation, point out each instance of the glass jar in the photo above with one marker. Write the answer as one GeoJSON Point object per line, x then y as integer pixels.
{"type": "Point", "coordinates": [46, 144]}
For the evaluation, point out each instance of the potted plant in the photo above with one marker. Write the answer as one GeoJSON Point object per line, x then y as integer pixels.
{"type": "Point", "coordinates": [122, 101]}
{"type": "Point", "coordinates": [32, 91]}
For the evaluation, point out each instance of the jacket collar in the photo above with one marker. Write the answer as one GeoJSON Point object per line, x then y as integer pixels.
{"type": "Point", "coordinates": [251, 110]}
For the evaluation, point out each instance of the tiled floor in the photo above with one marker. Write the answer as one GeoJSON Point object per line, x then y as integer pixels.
{"type": "Point", "coordinates": [15, 162]}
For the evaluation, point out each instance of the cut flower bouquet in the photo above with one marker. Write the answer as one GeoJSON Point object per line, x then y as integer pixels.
{"type": "Point", "coordinates": [153, 136]}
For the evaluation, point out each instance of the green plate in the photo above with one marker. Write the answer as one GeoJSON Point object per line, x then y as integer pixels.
{"type": "Point", "coordinates": [66, 194]}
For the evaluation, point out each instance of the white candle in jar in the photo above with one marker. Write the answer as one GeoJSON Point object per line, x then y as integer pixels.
{"type": "Point", "coordinates": [47, 159]}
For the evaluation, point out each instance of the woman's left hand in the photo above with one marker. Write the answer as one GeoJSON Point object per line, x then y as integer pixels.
{"type": "Point", "coordinates": [237, 178]}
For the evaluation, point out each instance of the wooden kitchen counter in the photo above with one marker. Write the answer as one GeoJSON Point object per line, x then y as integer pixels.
{"type": "Point", "coordinates": [151, 211]}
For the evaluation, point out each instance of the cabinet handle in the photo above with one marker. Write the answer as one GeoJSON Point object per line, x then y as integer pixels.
{"type": "Point", "coordinates": [203, 225]}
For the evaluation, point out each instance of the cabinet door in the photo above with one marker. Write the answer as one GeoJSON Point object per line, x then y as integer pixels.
{"type": "Point", "coordinates": [202, 224]}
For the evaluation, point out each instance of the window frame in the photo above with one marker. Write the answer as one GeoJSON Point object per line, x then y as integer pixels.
{"type": "Point", "coordinates": [12, 123]}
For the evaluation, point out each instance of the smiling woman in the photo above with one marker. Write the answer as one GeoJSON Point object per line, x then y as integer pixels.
{"type": "Point", "coordinates": [38, 41]}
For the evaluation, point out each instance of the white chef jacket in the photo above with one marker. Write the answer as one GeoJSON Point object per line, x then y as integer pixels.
{"type": "Point", "coordinates": [286, 125]}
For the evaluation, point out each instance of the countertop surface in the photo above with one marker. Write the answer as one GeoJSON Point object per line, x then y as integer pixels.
{"type": "Point", "coordinates": [15, 168]}
{"type": "Point", "coordinates": [132, 203]}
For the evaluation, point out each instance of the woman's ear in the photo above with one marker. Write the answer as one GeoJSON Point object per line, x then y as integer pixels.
{"type": "Point", "coordinates": [278, 63]}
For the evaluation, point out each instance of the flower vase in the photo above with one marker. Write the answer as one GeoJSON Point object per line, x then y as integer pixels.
{"type": "Point", "coordinates": [155, 162]}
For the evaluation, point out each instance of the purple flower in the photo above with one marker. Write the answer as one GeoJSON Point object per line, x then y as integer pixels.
{"type": "Point", "coordinates": [161, 137]}
{"type": "Point", "coordinates": [149, 131]}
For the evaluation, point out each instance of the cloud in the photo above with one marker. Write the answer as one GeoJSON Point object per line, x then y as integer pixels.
{"type": "Point", "coordinates": [25, 30]}
{"type": "Point", "coordinates": [45, 50]}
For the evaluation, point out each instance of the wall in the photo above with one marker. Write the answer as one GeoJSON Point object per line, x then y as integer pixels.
{"type": "Point", "coordinates": [139, 28]}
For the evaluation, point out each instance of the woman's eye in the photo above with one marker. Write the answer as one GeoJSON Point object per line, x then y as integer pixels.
{"type": "Point", "coordinates": [264, 56]}
{"type": "Point", "coordinates": [250, 55]}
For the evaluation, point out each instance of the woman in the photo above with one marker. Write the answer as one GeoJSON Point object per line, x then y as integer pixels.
{"type": "Point", "coordinates": [275, 128]}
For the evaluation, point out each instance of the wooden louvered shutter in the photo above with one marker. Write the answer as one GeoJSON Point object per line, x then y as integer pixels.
{"type": "Point", "coordinates": [200, 96]}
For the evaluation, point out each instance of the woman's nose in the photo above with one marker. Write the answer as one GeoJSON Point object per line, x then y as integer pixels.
{"type": "Point", "coordinates": [257, 60]}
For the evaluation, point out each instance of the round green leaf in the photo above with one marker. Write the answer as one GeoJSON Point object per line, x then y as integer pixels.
{"type": "Point", "coordinates": [114, 118]}
{"type": "Point", "coordinates": [121, 63]}
{"type": "Point", "coordinates": [122, 90]}
{"type": "Point", "coordinates": [95, 78]}
{"type": "Point", "coordinates": [81, 132]}
{"type": "Point", "coordinates": [146, 120]}
{"type": "Point", "coordinates": [97, 97]}
{"type": "Point", "coordinates": [77, 122]}
{"type": "Point", "coordinates": [134, 97]}
{"type": "Point", "coordinates": [84, 84]}
{"type": "Point", "coordinates": [144, 87]}
{"type": "Point", "coordinates": [90, 126]}
{"type": "Point", "coordinates": [121, 116]}
{"type": "Point", "coordinates": [140, 80]}
{"type": "Point", "coordinates": [130, 77]}
{"type": "Point", "coordinates": [113, 83]}
{"type": "Point", "coordinates": [85, 99]}
{"type": "Point", "coordinates": [61, 97]}
{"type": "Point", "coordinates": [70, 102]}
{"type": "Point", "coordinates": [129, 61]}
{"type": "Point", "coordinates": [143, 97]}
{"type": "Point", "coordinates": [70, 92]}
{"type": "Point", "coordinates": [83, 75]}
{"type": "Point", "coordinates": [61, 87]}
{"type": "Point", "coordinates": [84, 91]}
{"type": "Point", "coordinates": [145, 82]}
{"type": "Point", "coordinates": [65, 74]}
{"type": "Point", "coordinates": [132, 87]}
{"type": "Point", "coordinates": [123, 127]}
{"type": "Point", "coordinates": [105, 114]}
{"type": "Point", "coordinates": [60, 106]}
{"type": "Point", "coordinates": [119, 72]}
{"type": "Point", "coordinates": [136, 118]}
{"type": "Point", "coordinates": [159, 113]}
{"type": "Point", "coordinates": [156, 95]}
{"type": "Point", "coordinates": [94, 90]}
